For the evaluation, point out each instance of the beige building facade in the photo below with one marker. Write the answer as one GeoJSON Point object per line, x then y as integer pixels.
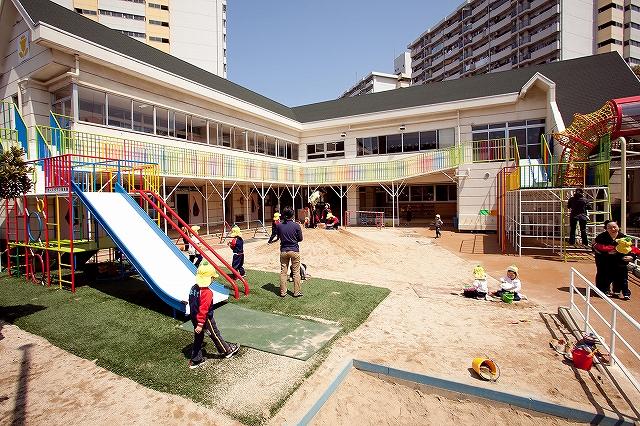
{"type": "Point", "coordinates": [423, 149]}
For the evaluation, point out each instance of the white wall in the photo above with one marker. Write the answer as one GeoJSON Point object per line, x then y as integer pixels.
{"type": "Point", "coordinates": [577, 29]}
{"type": "Point", "coordinates": [477, 191]}
{"type": "Point", "coordinates": [196, 33]}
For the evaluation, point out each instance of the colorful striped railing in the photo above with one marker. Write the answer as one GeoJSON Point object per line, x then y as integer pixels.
{"type": "Point", "coordinates": [202, 162]}
{"type": "Point", "coordinates": [13, 131]}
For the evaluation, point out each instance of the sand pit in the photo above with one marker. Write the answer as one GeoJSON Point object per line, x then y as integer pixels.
{"type": "Point", "coordinates": [425, 326]}
{"type": "Point", "coordinates": [395, 403]}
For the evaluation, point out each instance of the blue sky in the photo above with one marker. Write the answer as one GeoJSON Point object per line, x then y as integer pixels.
{"type": "Point", "coordinates": [304, 51]}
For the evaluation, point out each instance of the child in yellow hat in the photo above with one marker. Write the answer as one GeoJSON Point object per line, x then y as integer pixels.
{"type": "Point", "coordinates": [274, 228]}
{"type": "Point", "coordinates": [479, 288]}
{"type": "Point", "coordinates": [201, 307]}
{"type": "Point", "coordinates": [237, 245]}
{"type": "Point", "coordinates": [331, 222]}
{"type": "Point", "coordinates": [194, 255]}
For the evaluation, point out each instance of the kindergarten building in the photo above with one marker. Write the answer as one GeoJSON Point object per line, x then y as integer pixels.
{"type": "Point", "coordinates": [227, 154]}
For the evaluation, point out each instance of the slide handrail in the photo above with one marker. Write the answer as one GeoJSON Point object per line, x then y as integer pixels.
{"type": "Point", "coordinates": [145, 195]}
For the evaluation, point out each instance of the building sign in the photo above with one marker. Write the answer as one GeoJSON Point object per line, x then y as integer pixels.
{"type": "Point", "coordinates": [24, 48]}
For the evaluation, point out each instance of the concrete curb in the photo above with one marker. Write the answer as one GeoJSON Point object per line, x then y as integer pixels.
{"type": "Point", "coordinates": [525, 402]}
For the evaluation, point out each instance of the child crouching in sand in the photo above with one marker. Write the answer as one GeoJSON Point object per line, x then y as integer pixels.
{"type": "Point", "coordinates": [479, 288]}
{"type": "Point", "coordinates": [510, 284]}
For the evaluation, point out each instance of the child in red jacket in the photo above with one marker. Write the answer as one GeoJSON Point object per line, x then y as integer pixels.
{"type": "Point", "coordinates": [201, 306]}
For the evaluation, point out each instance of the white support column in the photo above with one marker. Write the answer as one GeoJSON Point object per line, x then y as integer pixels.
{"type": "Point", "coordinates": [293, 192]}
{"type": "Point", "coordinates": [262, 193]}
{"type": "Point", "coordinates": [623, 182]}
{"type": "Point", "coordinates": [206, 202]}
{"type": "Point", "coordinates": [342, 194]}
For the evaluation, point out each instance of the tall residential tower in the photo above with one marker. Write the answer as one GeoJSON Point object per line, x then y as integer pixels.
{"type": "Point", "coordinates": [483, 36]}
{"type": "Point", "coordinates": [192, 30]}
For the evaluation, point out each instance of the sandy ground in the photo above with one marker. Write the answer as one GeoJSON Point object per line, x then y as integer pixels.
{"type": "Point", "coordinates": [42, 384]}
{"type": "Point", "coordinates": [397, 404]}
{"type": "Point", "coordinates": [424, 325]}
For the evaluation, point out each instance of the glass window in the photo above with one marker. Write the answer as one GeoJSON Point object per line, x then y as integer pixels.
{"type": "Point", "coordinates": [404, 194]}
{"type": "Point", "coordinates": [519, 134]}
{"type": "Point", "coordinates": [260, 146]}
{"type": "Point", "coordinates": [226, 135]}
{"type": "Point", "coordinates": [394, 143]}
{"type": "Point", "coordinates": [282, 149]}
{"type": "Point", "coordinates": [533, 141]}
{"type": "Point", "coordinates": [416, 193]}
{"type": "Point", "coordinates": [335, 149]}
{"type": "Point", "coordinates": [271, 145]}
{"type": "Point", "coordinates": [119, 111]}
{"type": "Point", "coordinates": [294, 151]}
{"type": "Point", "coordinates": [427, 193]}
{"type": "Point", "coordinates": [497, 126]}
{"type": "Point", "coordinates": [497, 134]}
{"type": "Point", "coordinates": [251, 140]}
{"type": "Point", "coordinates": [198, 130]}
{"type": "Point", "coordinates": [180, 124]}
{"type": "Point", "coordinates": [213, 133]}
{"type": "Point", "coordinates": [410, 142]}
{"type": "Point", "coordinates": [379, 144]}
{"type": "Point", "coordinates": [453, 192]}
{"type": "Point", "coordinates": [442, 192]}
{"type": "Point", "coordinates": [162, 121]}
{"type": "Point", "coordinates": [61, 103]}
{"type": "Point", "coordinates": [91, 105]}
{"type": "Point", "coordinates": [480, 136]}
{"type": "Point", "coordinates": [478, 128]}
{"type": "Point", "coordinates": [239, 139]}
{"type": "Point", "coordinates": [359, 146]}
{"type": "Point", "coordinates": [428, 140]}
{"type": "Point", "coordinates": [446, 137]}
{"type": "Point", "coordinates": [142, 117]}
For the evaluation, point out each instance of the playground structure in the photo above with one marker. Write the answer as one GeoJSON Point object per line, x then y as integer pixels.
{"type": "Point", "coordinates": [88, 205]}
{"type": "Point", "coordinates": [533, 194]}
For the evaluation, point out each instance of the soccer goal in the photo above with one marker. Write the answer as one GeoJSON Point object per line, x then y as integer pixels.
{"type": "Point", "coordinates": [364, 218]}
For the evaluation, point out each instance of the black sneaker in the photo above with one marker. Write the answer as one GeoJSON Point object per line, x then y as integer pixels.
{"type": "Point", "coordinates": [298, 295]}
{"type": "Point", "coordinates": [197, 364]}
{"type": "Point", "coordinates": [627, 297]}
{"type": "Point", "coordinates": [233, 349]}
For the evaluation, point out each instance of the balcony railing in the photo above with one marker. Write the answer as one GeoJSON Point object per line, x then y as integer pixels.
{"type": "Point", "coordinates": [204, 162]}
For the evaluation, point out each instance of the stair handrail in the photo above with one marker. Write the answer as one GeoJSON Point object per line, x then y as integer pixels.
{"type": "Point", "coordinates": [182, 223]}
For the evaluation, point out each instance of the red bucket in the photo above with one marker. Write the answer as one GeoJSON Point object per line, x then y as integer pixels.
{"type": "Point", "coordinates": [582, 359]}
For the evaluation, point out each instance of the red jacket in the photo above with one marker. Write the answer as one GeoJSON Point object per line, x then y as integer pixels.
{"type": "Point", "coordinates": [200, 302]}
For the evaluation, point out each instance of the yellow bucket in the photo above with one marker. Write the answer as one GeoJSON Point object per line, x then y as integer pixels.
{"type": "Point", "coordinates": [486, 368]}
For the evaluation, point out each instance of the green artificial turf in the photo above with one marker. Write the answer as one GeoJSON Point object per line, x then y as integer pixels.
{"type": "Point", "coordinates": [129, 331]}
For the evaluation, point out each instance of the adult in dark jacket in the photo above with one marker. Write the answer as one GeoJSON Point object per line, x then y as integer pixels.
{"type": "Point", "coordinates": [611, 266]}
{"type": "Point", "coordinates": [290, 235]}
{"type": "Point", "coordinates": [578, 215]}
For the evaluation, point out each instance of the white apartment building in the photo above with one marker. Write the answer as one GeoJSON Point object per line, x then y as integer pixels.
{"type": "Point", "coordinates": [482, 36]}
{"type": "Point", "coordinates": [376, 82]}
{"type": "Point", "coordinates": [192, 30]}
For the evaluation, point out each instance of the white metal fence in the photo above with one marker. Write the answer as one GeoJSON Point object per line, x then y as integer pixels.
{"type": "Point", "coordinates": [617, 314]}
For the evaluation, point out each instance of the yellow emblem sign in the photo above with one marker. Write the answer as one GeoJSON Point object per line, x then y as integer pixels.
{"type": "Point", "coordinates": [23, 46]}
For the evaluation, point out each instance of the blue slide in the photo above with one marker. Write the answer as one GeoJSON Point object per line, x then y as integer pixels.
{"type": "Point", "coordinates": [165, 269]}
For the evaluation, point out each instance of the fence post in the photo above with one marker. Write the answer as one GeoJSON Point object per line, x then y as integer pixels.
{"type": "Point", "coordinates": [612, 343]}
{"type": "Point", "coordinates": [586, 316]}
{"type": "Point", "coordinates": [571, 288]}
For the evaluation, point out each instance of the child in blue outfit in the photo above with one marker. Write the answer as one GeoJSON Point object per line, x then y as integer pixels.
{"type": "Point", "coordinates": [201, 307]}
{"type": "Point", "coordinates": [237, 245]}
